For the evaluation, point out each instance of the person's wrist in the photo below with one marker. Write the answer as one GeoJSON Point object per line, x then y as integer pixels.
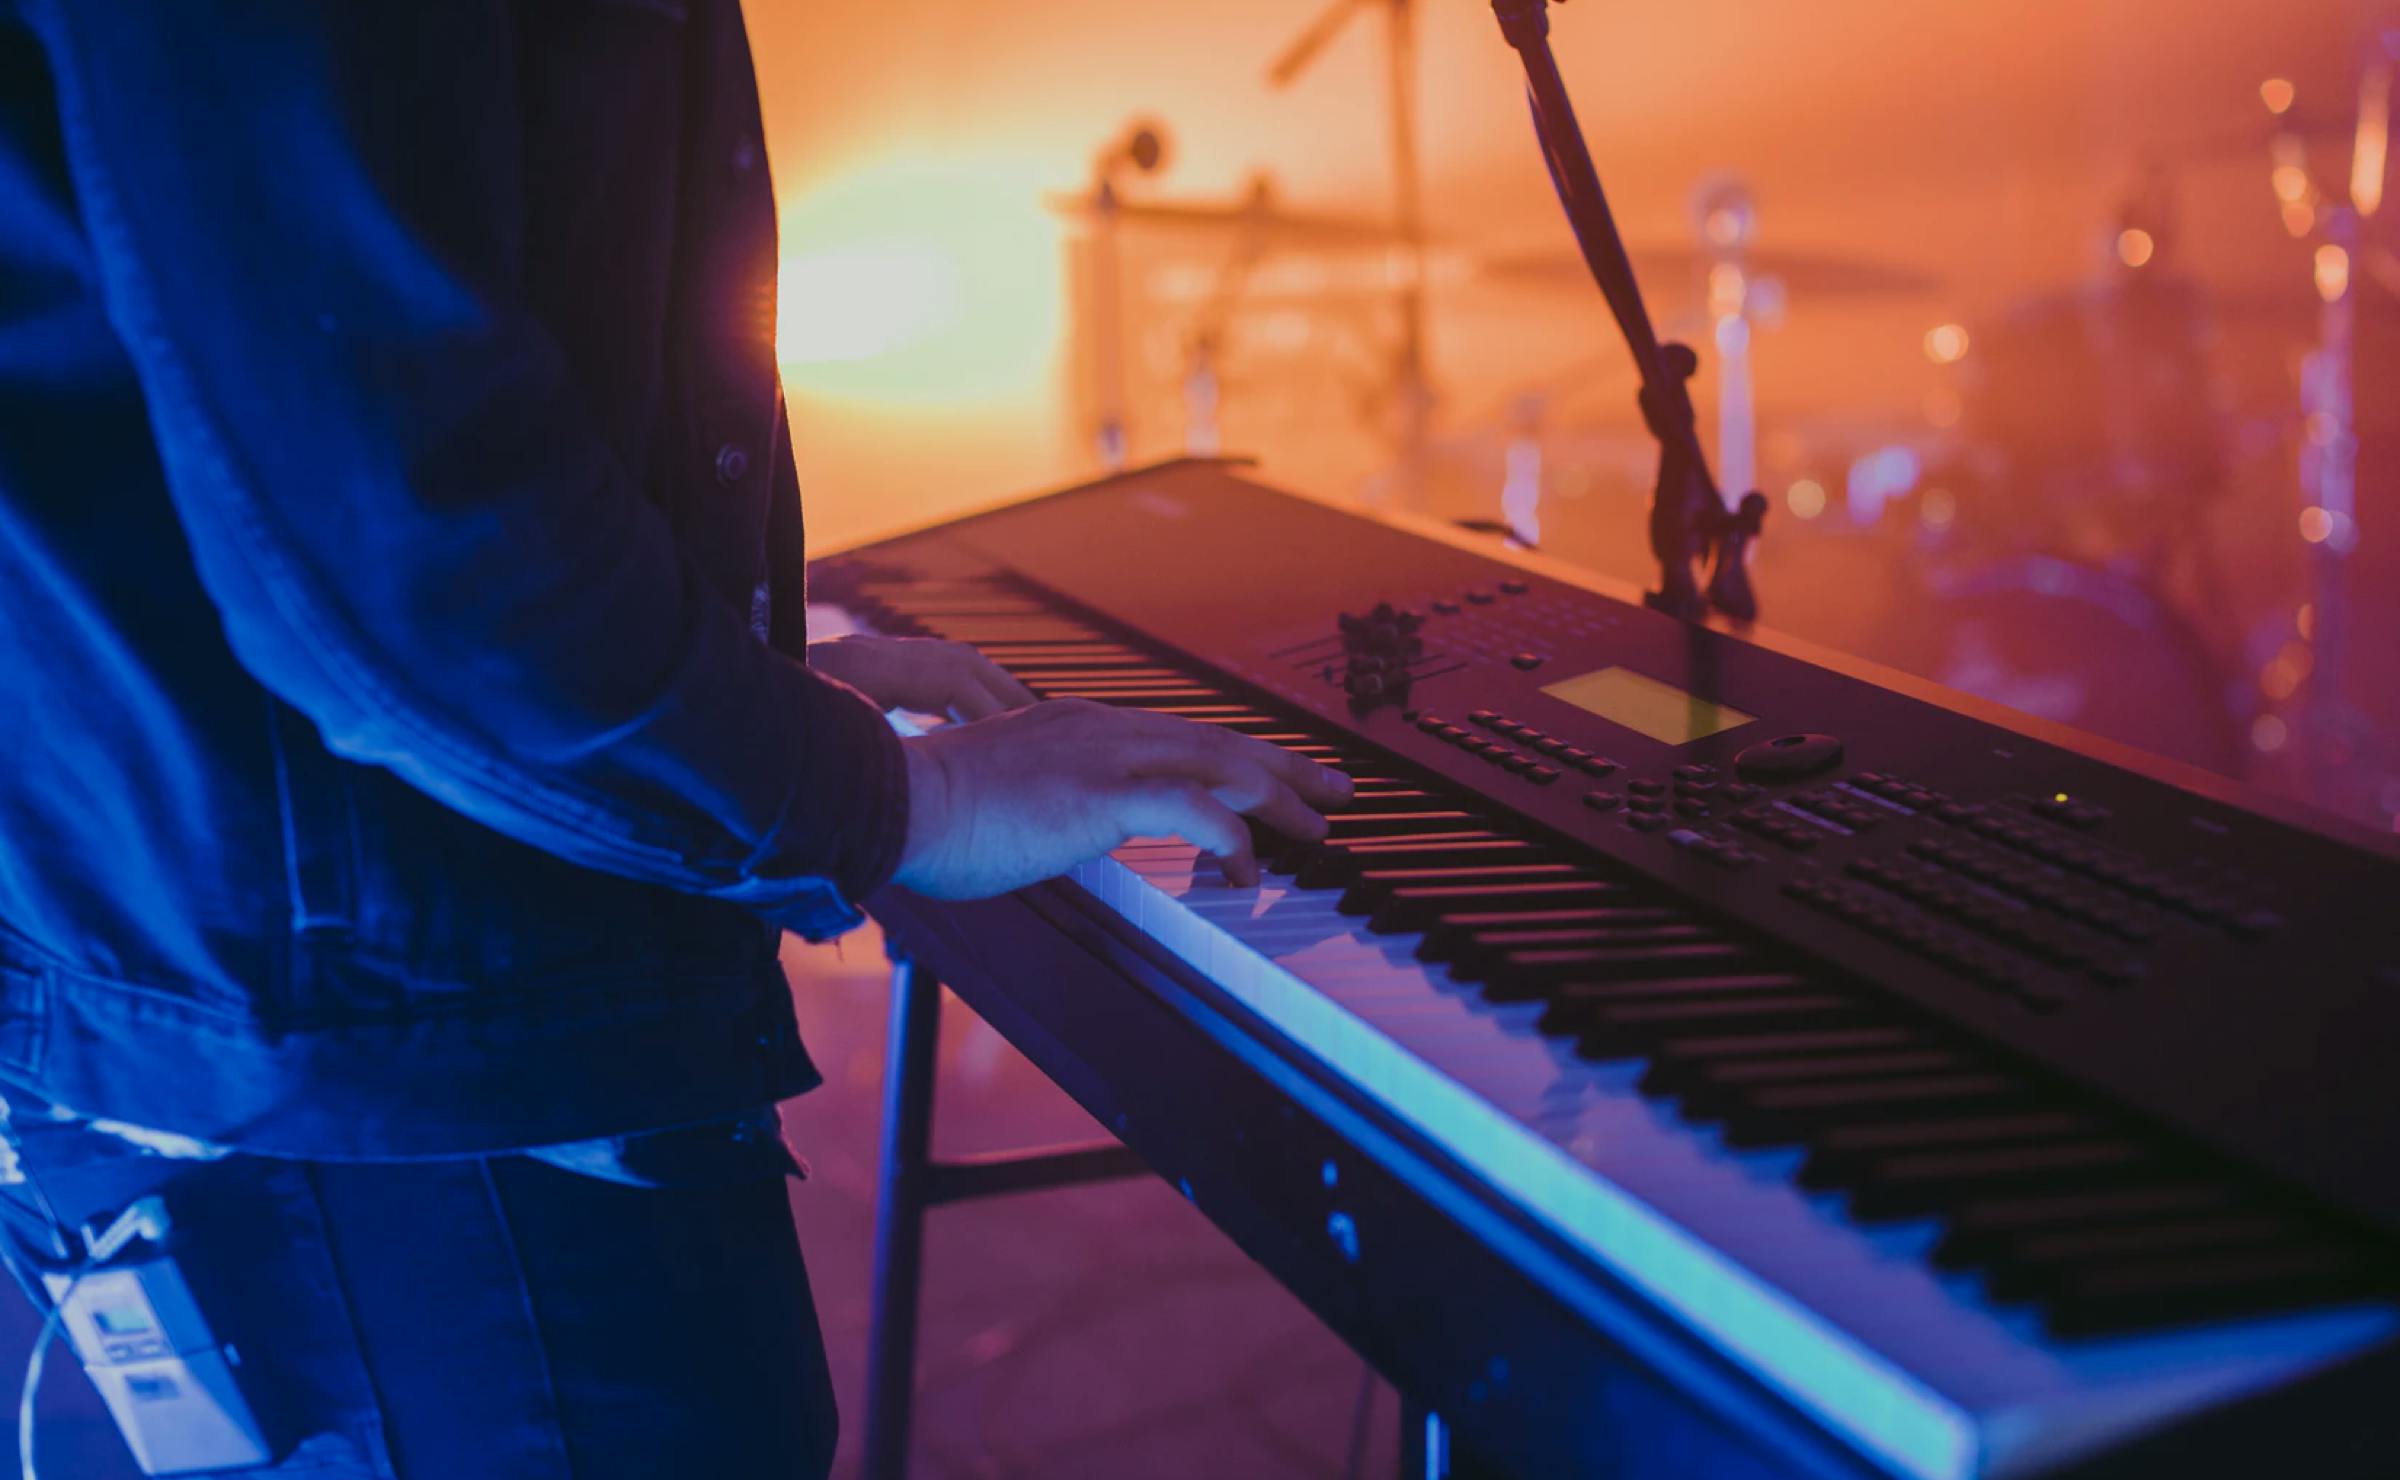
{"type": "Point", "coordinates": [928, 806]}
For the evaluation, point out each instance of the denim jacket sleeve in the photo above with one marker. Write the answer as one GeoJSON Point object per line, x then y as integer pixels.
{"type": "Point", "coordinates": [307, 222]}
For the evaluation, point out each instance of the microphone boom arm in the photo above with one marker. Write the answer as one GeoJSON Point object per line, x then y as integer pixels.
{"type": "Point", "coordinates": [1688, 518]}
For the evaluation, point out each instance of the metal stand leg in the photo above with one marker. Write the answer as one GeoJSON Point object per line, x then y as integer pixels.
{"type": "Point", "coordinates": [900, 1217]}
{"type": "Point", "coordinates": [1425, 1452]}
{"type": "Point", "coordinates": [909, 1182]}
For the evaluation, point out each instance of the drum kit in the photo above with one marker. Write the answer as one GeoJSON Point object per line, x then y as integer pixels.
{"type": "Point", "coordinates": [2093, 522]}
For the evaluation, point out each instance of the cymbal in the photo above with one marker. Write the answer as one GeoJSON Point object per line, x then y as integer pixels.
{"type": "Point", "coordinates": [1258, 213]}
{"type": "Point", "coordinates": [1803, 274]}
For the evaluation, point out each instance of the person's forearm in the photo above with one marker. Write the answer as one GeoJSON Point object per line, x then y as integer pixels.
{"type": "Point", "coordinates": [305, 228]}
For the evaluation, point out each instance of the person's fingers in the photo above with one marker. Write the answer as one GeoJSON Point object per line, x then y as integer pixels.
{"type": "Point", "coordinates": [1159, 807]}
{"type": "Point", "coordinates": [971, 699]}
{"type": "Point", "coordinates": [1003, 684]}
{"type": "Point", "coordinates": [1251, 789]}
{"type": "Point", "coordinates": [1167, 736]}
{"type": "Point", "coordinates": [1318, 785]}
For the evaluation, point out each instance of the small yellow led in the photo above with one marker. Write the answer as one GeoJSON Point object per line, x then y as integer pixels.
{"type": "Point", "coordinates": [2059, 797]}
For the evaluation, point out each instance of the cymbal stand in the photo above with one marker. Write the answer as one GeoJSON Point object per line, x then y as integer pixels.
{"type": "Point", "coordinates": [1410, 388]}
{"type": "Point", "coordinates": [1688, 518]}
{"type": "Point", "coordinates": [1142, 147]}
{"type": "Point", "coordinates": [1204, 348]}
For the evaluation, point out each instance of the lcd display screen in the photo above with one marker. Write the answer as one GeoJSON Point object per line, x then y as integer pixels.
{"type": "Point", "coordinates": [1643, 704]}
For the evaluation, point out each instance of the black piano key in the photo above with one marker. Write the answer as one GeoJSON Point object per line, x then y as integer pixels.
{"type": "Point", "coordinates": [1331, 865]}
{"type": "Point", "coordinates": [983, 602]}
{"type": "Point", "coordinates": [1576, 1005]}
{"type": "Point", "coordinates": [1347, 825]}
{"type": "Point", "coordinates": [1784, 1114]}
{"type": "Point", "coordinates": [2030, 1267]}
{"type": "Point", "coordinates": [1836, 1157]}
{"type": "Point", "coordinates": [1031, 634]}
{"type": "Point", "coordinates": [1521, 976]}
{"type": "Point", "coordinates": [2142, 1293]}
{"type": "Point", "coordinates": [1132, 698]}
{"type": "Point", "coordinates": [1974, 1231]}
{"type": "Point", "coordinates": [1054, 658]}
{"type": "Point", "coordinates": [1204, 713]}
{"type": "Point", "coordinates": [1628, 1029]}
{"type": "Point", "coordinates": [1916, 1183]}
{"type": "Point", "coordinates": [1365, 799]}
{"type": "Point", "coordinates": [1674, 1061]}
{"type": "Point", "coordinates": [1451, 933]}
{"type": "Point", "coordinates": [1400, 900]}
{"type": "Point", "coordinates": [1714, 1088]}
{"type": "Point", "coordinates": [1112, 675]}
{"type": "Point", "coordinates": [1473, 957]}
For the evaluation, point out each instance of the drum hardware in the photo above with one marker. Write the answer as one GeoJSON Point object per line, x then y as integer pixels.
{"type": "Point", "coordinates": [2334, 219]}
{"type": "Point", "coordinates": [1408, 390]}
{"type": "Point", "coordinates": [1141, 148]}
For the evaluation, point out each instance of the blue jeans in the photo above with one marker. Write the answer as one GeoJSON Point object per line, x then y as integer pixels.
{"type": "Point", "coordinates": [497, 1316]}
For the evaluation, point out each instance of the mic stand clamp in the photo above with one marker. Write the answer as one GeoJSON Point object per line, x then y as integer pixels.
{"type": "Point", "coordinates": [1688, 521]}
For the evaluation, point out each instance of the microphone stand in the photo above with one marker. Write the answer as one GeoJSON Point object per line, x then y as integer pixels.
{"type": "Point", "coordinates": [1688, 518]}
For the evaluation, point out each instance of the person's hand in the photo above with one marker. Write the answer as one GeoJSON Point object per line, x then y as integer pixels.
{"type": "Point", "coordinates": [1004, 802]}
{"type": "Point", "coordinates": [923, 674]}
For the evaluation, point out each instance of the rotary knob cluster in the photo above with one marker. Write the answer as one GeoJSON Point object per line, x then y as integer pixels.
{"type": "Point", "coordinates": [1376, 651]}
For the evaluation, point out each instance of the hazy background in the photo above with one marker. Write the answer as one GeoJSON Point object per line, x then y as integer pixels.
{"type": "Point", "coordinates": [1942, 195]}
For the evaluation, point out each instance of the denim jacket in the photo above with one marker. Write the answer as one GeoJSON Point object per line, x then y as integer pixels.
{"type": "Point", "coordinates": [409, 748]}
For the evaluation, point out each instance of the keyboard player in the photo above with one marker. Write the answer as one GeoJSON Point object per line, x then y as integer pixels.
{"type": "Point", "coordinates": [414, 740]}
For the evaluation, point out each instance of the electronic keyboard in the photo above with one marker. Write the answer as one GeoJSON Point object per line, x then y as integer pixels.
{"type": "Point", "coordinates": [1908, 1087]}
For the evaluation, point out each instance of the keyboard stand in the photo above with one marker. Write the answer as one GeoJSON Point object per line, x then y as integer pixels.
{"type": "Point", "coordinates": [1399, 1260]}
{"type": "Point", "coordinates": [909, 1183]}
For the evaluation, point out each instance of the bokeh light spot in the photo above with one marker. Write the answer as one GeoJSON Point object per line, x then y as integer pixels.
{"type": "Point", "coordinates": [920, 280]}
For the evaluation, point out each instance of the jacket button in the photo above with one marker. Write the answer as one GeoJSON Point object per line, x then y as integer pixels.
{"type": "Point", "coordinates": [732, 463]}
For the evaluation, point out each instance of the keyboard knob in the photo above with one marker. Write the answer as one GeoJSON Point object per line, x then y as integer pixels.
{"type": "Point", "coordinates": [1788, 757]}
